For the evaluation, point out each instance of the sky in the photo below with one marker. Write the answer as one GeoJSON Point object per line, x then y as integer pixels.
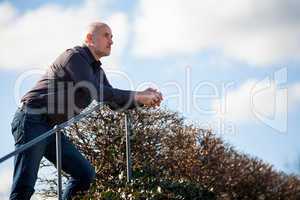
{"type": "Point", "coordinates": [230, 66]}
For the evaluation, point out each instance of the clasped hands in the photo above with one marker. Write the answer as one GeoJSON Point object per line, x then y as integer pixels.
{"type": "Point", "coordinates": [149, 97]}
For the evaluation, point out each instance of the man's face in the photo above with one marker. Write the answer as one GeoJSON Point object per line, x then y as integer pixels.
{"type": "Point", "coordinates": [102, 41]}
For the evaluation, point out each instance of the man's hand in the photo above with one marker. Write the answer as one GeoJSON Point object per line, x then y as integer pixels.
{"type": "Point", "coordinates": [149, 97]}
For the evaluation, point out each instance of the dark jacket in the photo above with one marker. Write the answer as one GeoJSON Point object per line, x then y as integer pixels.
{"type": "Point", "coordinates": [71, 83]}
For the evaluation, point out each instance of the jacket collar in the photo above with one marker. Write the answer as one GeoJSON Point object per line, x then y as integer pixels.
{"type": "Point", "coordinates": [90, 58]}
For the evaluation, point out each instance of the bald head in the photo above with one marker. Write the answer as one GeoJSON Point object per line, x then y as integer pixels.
{"type": "Point", "coordinates": [98, 38]}
{"type": "Point", "coordinates": [93, 29]}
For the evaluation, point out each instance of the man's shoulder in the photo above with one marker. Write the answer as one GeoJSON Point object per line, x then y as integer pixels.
{"type": "Point", "coordinates": [68, 54]}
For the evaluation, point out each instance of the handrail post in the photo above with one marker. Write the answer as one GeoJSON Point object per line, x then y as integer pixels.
{"type": "Point", "coordinates": [128, 152]}
{"type": "Point", "coordinates": [58, 162]}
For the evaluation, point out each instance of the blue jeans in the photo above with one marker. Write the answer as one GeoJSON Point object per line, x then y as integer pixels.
{"type": "Point", "coordinates": [26, 127]}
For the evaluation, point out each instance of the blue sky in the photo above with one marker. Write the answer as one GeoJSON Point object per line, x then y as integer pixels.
{"type": "Point", "coordinates": [186, 49]}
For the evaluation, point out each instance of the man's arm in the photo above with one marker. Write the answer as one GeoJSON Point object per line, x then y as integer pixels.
{"type": "Point", "coordinates": [81, 73]}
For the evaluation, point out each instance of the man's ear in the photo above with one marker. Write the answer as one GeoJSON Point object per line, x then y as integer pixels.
{"type": "Point", "coordinates": [89, 38]}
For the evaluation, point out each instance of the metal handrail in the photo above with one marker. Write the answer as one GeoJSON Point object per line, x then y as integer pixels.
{"type": "Point", "coordinates": [57, 129]}
{"type": "Point", "coordinates": [128, 152]}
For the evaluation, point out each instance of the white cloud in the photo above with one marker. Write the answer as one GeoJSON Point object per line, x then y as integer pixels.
{"type": "Point", "coordinates": [40, 197]}
{"type": "Point", "coordinates": [35, 38]}
{"type": "Point", "coordinates": [236, 105]}
{"type": "Point", "coordinates": [7, 13]}
{"type": "Point", "coordinates": [253, 31]}
{"type": "Point", "coordinates": [5, 183]}
{"type": "Point", "coordinates": [256, 99]}
{"type": "Point", "coordinates": [294, 95]}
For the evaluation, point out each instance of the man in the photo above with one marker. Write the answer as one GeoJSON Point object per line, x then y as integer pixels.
{"type": "Point", "coordinates": [69, 85]}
